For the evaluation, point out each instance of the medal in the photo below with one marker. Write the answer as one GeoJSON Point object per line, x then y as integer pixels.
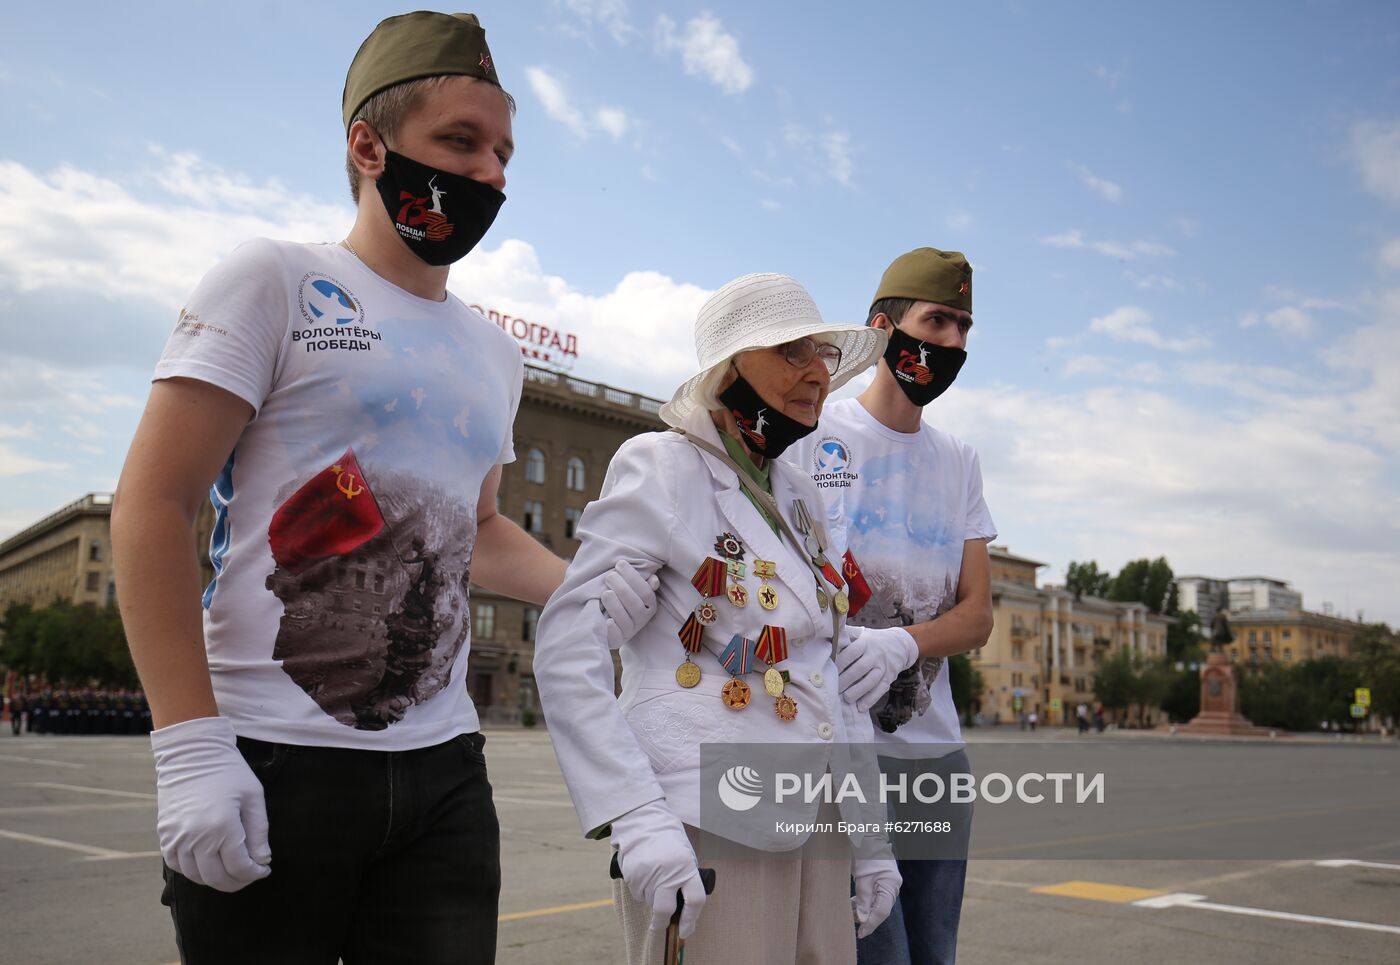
{"type": "Point", "coordinates": [736, 694]}
{"type": "Point", "coordinates": [738, 595]}
{"type": "Point", "coordinates": [728, 546]}
{"type": "Point", "coordinates": [773, 682]}
{"type": "Point", "coordinates": [737, 658]}
{"type": "Point", "coordinates": [766, 570]}
{"type": "Point", "coordinates": [772, 645]}
{"type": "Point", "coordinates": [709, 578]}
{"type": "Point", "coordinates": [691, 634]}
{"type": "Point", "coordinates": [687, 674]}
{"type": "Point", "coordinates": [843, 602]}
{"type": "Point", "coordinates": [785, 707]}
{"type": "Point", "coordinates": [822, 600]}
{"type": "Point", "coordinates": [706, 613]}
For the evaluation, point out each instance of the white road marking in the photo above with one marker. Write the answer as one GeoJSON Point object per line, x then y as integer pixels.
{"type": "Point", "coordinates": [121, 855]}
{"type": "Point", "coordinates": [1351, 863]}
{"type": "Point", "coordinates": [81, 789]}
{"type": "Point", "coordinates": [40, 761]}
{"type": "Point", "coordinates": [531, 800]}
{"type": "Point", "coordinates": [1181, 899]}
{"type": "Point", "coordinates": [86, 849]}
{"type": "Point", "coordinates": [75, 808]}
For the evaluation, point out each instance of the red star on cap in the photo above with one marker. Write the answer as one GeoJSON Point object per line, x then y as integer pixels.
{"type": "Point", "coordinates": [486, 62]}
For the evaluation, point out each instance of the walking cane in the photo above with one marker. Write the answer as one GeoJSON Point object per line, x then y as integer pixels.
{"type": "Point", "coordinates": [675, 945]}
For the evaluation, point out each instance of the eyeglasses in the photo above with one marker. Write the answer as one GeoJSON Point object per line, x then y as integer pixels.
{"type": "Point", "coordinates": [800, 353]}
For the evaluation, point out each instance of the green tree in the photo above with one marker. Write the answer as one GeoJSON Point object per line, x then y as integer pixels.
{"type": "Point", "coordinates": [1086, 579]}
{"type": "Point", "coordinates": [67, 642]}
{"type": "Point", "coordinates": [967, 685]}
{"type": "Point", "coordinates": [1114, 682]}
{"type": "Point", "coordinates": [1146, 581]}
{"type": "Point", "coordinates": [1184, 637]}
{"type": "Point", "coordinates": [1182, 700]}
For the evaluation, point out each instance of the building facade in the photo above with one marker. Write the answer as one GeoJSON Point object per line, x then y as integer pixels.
{"type": "Point", "coordinates": [65, 555]}
{"type": "Point", "coordinates": [1046, 644]}
{"type": "Point", "coordinates": [1268, 620]}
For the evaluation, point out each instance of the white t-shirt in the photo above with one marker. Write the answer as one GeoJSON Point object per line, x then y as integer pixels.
{"type": "Point", "coordinates": [903, 504]}
{"type": "Point", "coordinates": [346, 514]}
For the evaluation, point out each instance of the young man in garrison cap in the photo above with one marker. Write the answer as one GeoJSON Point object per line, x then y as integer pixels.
{"type": "Point", "coordinates": [905, 499]}
{"type": "Point", "coordinates": [322, 790]}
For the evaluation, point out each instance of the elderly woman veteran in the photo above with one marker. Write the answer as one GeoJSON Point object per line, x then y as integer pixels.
{"type": "Point", "coordinates": [740, 649]}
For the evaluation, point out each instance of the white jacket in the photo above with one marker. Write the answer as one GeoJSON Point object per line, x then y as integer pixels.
{"type": "Point", "coordinates": [663, 505]}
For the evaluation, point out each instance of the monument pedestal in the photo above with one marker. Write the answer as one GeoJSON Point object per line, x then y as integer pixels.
{"type": "Point", "coordinates": [1220, 703]}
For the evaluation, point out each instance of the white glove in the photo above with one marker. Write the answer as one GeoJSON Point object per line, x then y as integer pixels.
{"type": "Point", "coordinates": [210, 814]}
{"type": "Point", "coordinates": [877, 886]}
{"type": "Point", "coordinates": [868, 664]}
{"type": "Point", "coordinates": [629, 602]}
{"type": "Point", "coordinates": [657, 860]}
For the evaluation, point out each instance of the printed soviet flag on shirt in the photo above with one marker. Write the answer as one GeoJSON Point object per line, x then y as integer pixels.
{"type": "Point", "coordinates": [857, 589]}
{"type": "Point", "coordinates": [333, 514]}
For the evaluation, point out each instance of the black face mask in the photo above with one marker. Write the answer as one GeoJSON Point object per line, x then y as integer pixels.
{"type": "Point", "coordinates": [440, 215]}
{"type": "Point", "coordinates": [922, 371]}
{"type": "Point", "coordinates": [766, 431]}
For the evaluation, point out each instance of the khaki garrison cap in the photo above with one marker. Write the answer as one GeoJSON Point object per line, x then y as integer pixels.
{"type": "Point", "coordinates": [412, 46]}
{"type": "Point", "coordinates": [929, 275]}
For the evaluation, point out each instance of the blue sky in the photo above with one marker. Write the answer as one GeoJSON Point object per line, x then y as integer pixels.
{"type": "Point", "coordinates": [1185, 224]}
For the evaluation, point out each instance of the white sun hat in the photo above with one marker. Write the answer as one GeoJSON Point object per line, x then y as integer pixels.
{"type": "Point", "coordinates": [760, 311]}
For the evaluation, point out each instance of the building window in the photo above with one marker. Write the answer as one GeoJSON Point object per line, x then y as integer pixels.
{"type": "Point", "coordinates": [359, 579]}
{"type": "Point", "coordinates": [529, 618]}
{"type": "Point", "coordinates": [94, 581]}
{"type": "Point", "coordinates": [571, 518]}
{"type": "Point", "coordinates": [1288, 634]}
{"type": "Point", "coordinates": [484, 625]}
{"type": "Point", "coordinates": [1251, 636]}
{"type": "Point", "coordinates": [379, 583]}
{"type": "Point", "coordinates": [95, 551]}
{"type": "Point", "coordinates": [575, 478]}
{"type": "Point", "coordinates": [534, 466]}
{"type": "Point", "coordinates": [1287, 653]}
{"type": "Point", "coordinates": [534, 516]}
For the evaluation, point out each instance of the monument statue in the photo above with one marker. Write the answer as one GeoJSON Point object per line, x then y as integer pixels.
{"type": "Point", "coordinates": [1220, 632]}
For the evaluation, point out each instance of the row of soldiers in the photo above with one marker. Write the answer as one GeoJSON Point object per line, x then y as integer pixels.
{"type": "Point", "coordinates": [80, 711]}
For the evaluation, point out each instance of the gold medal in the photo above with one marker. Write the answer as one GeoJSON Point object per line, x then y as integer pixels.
{"type": "Point", "coordinates": [773, 682]}
{"type": "Point", "coordinates": [767, 597]}
{"type": "Point", "coordinates": [688, 674]}
{"type": "Point", "coordinates": [785, 707]}
{"type": "Point", "coordinates": [822, 599]}
{"type": "Point", "coordinates": [843, 602]}
{"type": "Point", "coordinates": [738, 595]}
{"type": "Point", "coordinates": [735, 694]}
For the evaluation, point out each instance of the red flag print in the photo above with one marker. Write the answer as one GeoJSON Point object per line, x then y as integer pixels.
{"type": "Point", "coordinates": [859, 592]}
{"type": "Point", "coordinates": [333, 514]}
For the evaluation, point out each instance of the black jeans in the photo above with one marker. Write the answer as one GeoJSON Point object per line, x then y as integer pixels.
{"type": "Point", "coordinates": [377, 858]}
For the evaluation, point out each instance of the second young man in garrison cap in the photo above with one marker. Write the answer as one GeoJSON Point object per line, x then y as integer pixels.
{"type": "Point", "coordinates": [322, 789]}
{"type": "Point", "coordinates": [905, 499]}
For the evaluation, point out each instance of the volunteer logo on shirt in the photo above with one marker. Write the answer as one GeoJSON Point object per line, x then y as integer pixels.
{"type": "Point", "coordinates": [832, 464]}
{"type": "Point", "coordinates": [336, 317]}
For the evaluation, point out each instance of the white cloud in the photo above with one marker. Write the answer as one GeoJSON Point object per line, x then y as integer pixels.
{"type": "Point", "coordinates": [1149, 282]}
{"type": "Point", "coordinates": [1187, 226]}
{"type": "Point", "coordinates": [611, 15]}
{"type": "Point", "coordinates": [768, 204]}
{"type": "Point", "coordinates": [959, 221]}
{"type": "Point", "coordinates": [1084, 365]}
{"type": "Point", "coordinates": [1104, 188]}
{"type": "Point", "coordinates": [1376, 148]}
{"type": "Point", "coordinates": [559, 106]}
{"type": "Point", "coordinates": [731, 145]}
{"type": "Point", "coordinates": [1390, 255]}
{"type": "Point", "coordinates": [1289, 320]}
{"type": "Point", "coordinates": [1109, 77]}
{"type": "Point", "coordinates": [612, 120]}
{"type": "Point", "coordinates": [707, 51]}
{"type": "Point", "coordinates": [1124, 251]}
{"type": "Point", "coordinates": [827, 151]}
{"type": "Point", "coordinates": [1133, 324]}
{"type": "Point", "coordinates": [70, 229]}
{"type": "Point", "coordinates": [550, 92]}
{"type": "Point", "coordinates": [1123, 472]}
